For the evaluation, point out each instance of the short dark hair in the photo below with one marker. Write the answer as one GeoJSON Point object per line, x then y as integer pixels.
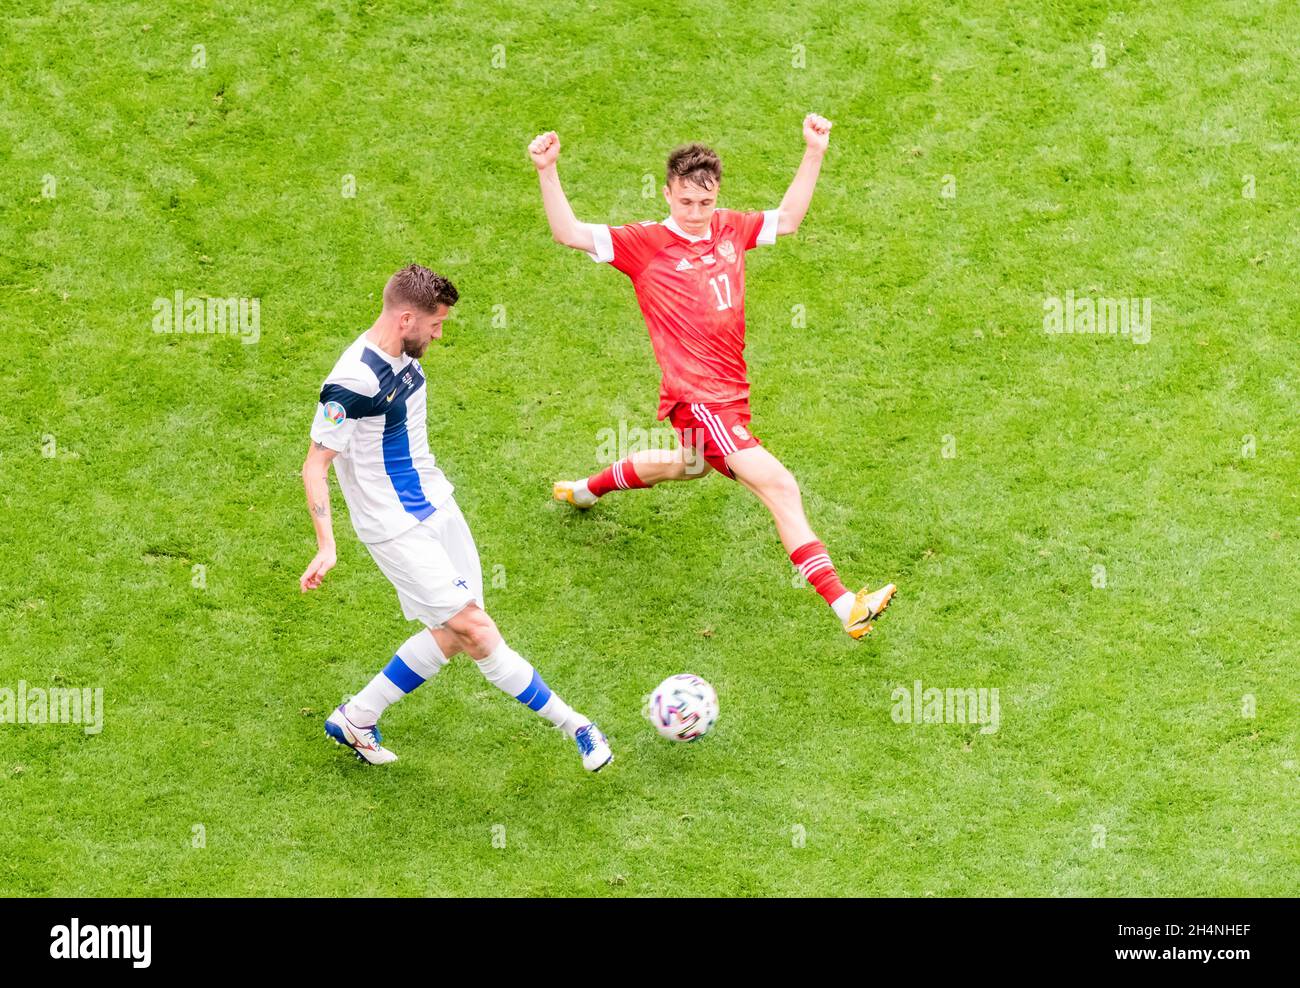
{"type": "Point", "coordinates": [697, 164]}
{"type": "Point", "coordinates": [418, 286]}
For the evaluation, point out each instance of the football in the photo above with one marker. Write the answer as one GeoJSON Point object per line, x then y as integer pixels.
{"type": "Point", "coordinates": [683, 707]}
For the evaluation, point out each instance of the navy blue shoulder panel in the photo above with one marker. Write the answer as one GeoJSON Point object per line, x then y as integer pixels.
{"type": "Point", "coordinates": [357, 405]}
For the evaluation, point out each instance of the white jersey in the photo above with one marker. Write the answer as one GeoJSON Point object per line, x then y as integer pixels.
{"type": "Point", "coordinates": [372, 413]}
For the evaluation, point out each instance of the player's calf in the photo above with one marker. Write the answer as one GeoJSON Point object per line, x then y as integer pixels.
{"type": "Point", "coordinates": [515, 676]}
{"type": "Point", "coordinates": [416, 661]}
{"type": "Point", "coordinates": [658, 466]}
{"type": "Point", "coordinates": [637, 472]}
{"type": "Point", "coordinates": [777, 488]}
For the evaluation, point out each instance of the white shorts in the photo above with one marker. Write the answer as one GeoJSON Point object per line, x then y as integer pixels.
{"type": "Point", "coordinates": [433, 566]}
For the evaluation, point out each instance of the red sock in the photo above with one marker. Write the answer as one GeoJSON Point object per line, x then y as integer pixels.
{"type": "Point", "coordinates": [815, 566]}
{"type": "Point", "coordinates": [620, 477]}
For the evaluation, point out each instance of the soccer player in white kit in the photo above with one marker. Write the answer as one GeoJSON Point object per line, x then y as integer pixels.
{"type": "Point", "coordinates": [370, 423]}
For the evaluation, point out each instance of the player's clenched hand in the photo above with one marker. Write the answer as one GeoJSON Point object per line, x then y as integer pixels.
{"type": "Point", "coordinates": [816, 131]}
{"type": "Point", "coordinates": [544, 149]}
{"type": "Point", "coordinates": [315, 572]}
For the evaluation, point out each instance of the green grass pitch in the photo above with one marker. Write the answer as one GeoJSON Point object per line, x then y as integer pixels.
{"type": "Point", "coordinates": [1104, 531]}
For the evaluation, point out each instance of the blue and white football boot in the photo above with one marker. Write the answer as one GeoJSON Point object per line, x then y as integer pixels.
{"type": "Point", "coordinates": [364, 741]}
{"type": "Point", "coordinates": [593, 747]}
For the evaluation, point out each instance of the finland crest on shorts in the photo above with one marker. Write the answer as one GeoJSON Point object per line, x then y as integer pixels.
{"type": "Point", "coordinates": [434, 567]}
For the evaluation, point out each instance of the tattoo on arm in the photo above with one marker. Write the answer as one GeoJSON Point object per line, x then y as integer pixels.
{"type": "Point", "coordinates": [321, 509]}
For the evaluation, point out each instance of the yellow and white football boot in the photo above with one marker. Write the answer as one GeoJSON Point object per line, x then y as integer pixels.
{"type": "Point", "coordinates": [574, 492]}
{"type": "Point", "coordinates": [867, 606]}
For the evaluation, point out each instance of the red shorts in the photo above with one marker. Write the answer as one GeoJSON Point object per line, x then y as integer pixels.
{"type": "Point", "coordinates": [714, 430]}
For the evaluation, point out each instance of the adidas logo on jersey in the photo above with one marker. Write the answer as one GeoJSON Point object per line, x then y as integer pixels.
{"type": "Point", "coordinates": [683, 265]}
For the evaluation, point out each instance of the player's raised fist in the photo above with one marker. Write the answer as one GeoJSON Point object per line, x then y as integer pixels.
{"type": "Point", "coordinates": [816, 131]}
{"type": "Point", "coordinates": [544, 149]}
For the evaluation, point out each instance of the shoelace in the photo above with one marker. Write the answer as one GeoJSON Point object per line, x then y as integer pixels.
{"type": "Point", "coordinates": [369, 736]}
{"type": "Point", "coordinates": [586, 740]}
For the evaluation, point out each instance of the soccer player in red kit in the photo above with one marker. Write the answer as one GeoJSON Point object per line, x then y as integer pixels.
{"type": "Point", "coordinates": [689, 276]}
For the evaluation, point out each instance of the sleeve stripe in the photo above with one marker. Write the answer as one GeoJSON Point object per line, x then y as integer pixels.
{"type": "Point", "coordinates": [767, 233]}
{"type": "Point", "coordinates": [604, 252]}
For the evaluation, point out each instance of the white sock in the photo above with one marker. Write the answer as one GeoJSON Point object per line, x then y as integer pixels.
{"type": "Point", "coordinates": [511, 673]}
{"type": "Point", "coordinates": [563, 716]}
{"type": "Point", "coordinates": [582, 493]}
{"type": "Point", "coordinates": [844, 605]}
{"type": "Point", "coordinates": [418, 659]}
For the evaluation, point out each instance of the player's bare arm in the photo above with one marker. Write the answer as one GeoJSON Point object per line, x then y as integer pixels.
{"type": "Point", "coordinates": [315, 478]}
{"type": "Point", "coordinates": [544, 149]}
{"type": "Point", "coordinates": [817, 136]}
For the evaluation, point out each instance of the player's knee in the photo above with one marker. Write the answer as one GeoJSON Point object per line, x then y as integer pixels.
{"type": "Point", "coordinates": [449, 643]}
{"type": "Point", "coordinates": [478, 631]}
{"type": "Point", "coordinates": [782, 486]}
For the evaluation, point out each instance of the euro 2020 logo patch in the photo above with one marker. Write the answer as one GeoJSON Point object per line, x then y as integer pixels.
{"type": "Point", "coordinates": [334, 413]}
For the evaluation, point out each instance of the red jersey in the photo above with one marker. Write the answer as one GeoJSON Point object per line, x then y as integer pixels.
{"type": "Point", "coordinates": [692, 294]}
